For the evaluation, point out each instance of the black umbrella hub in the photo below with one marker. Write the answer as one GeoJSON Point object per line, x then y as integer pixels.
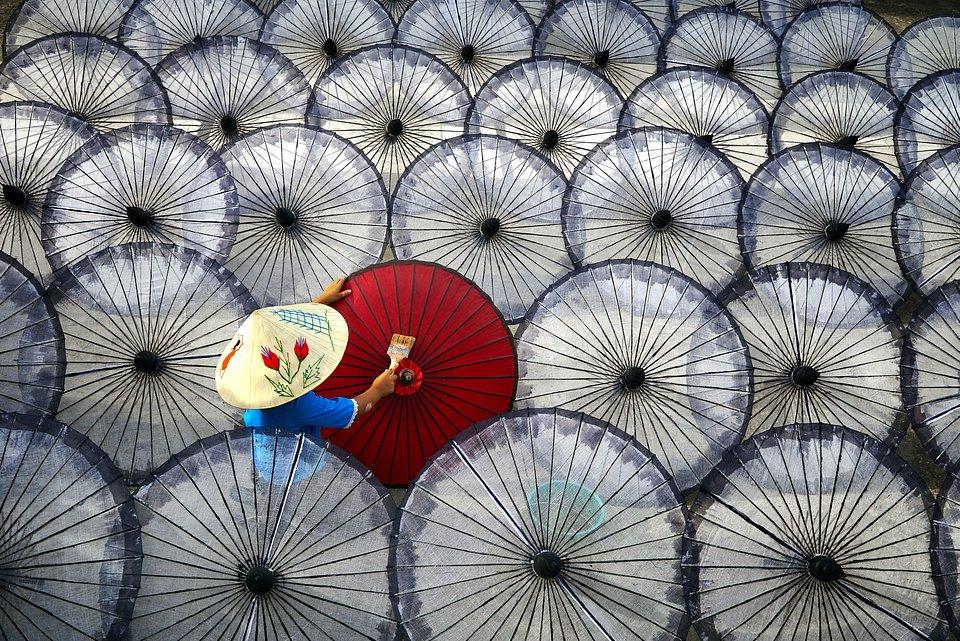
{"type": "Point", "coordinates": [804, 375]}
{"type": "Point", "coordinates": [848, 65]}
{"type": "Point", "coordinates": [547, 564]}
{"type": "Point", "coordinates": [601, 59]}
{"type": "Point", "coordinates": [632, 378]}
{"type": "Point", "coordinates": [286, 217]}
{"type": "Point", "coordinates": [15, 196]}
{"type": "Point", "coordinates": [467, 53]}
{"type": "Point", "coordinates": [726, 66]}
{"type": "Point", "coordinates": [824, 568]}
{"type": "Point", "coordinates": [550, 139]}
{"type": "Point", "coordinates": [705, 139]}
{"type": "Point", "coordinates": [661, 219]}
{"type": "Point", "coordinates": [490, 227]}
{"type": "Point", "coordinates": [330, 49]}
{"type": "Point", "coordinates": [409, 377]}
{"type": "Point", "coordinates": [847, 142]}
{"type": "Point", "coordinates": [260, 580]}
{"type": "Point", "coordinates": [229, 125]}
{"type": "Point", "coordinates": [139, 216]}
{"type": "Point", "coordinates": [147, 362]}
{"type": "Point", "coordinates": [836, 230]}
{"type": "Point", "coordinates": [394, 129]}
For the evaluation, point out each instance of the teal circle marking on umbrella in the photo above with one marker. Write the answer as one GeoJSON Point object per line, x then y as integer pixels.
{"type": "Point", "coordinates": [575, 499]}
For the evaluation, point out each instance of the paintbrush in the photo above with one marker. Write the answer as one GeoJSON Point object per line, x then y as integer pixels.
{"type": "Point", "coordinates": [399, 348]}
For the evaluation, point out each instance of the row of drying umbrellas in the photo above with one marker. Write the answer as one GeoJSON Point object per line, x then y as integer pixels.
{"type": "Point", "coordinates": [532, 525]}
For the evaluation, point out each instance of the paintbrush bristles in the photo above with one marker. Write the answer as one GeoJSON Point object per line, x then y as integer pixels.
{"type": "Point", "coordinates": [399, 348]}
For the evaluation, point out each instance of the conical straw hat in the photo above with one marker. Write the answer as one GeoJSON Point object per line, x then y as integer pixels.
{"type": "Point", "coordinates": [281, 353]}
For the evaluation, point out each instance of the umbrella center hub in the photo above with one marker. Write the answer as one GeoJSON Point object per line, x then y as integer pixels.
{"type": "Point", "coordinates": [661, 219]}
{"type": "Point", "coordinates": [14, 196]}
{"type": "Point", "coordinates": [260, 580]}
{"type": "Point", "coordinates": [551, 138]}
{"type": "Point", "coordinates": [601, 59]}
{"type": "Point", "coordinates": [847, 142]}
{"type": "Point", "coordinates": [286, 217]}
{"type": "Point", "coordinates": [229, 125]}
{"type": "Point", "coordinates": [394, 128]}
{"type": "Point", "coordinates": [632, 377]}
{"type": "Point", "coordinates": [804, 376]}
{"type": "Point", "coordinates": [409, 377]}
{"type": "Point", "coordinates": [490, 227]}
{"type": "Point", "coordinates": [330, 49]}
{"type": "Point", "coordinates": [706, 139]}
{"type": "Point", "coordinates": [726, 66]}
{"type": "Point", "coordinates": [146, 362]}
{"type": "Point", "coordinates": [139, 217]}
{"type": "Point", "coordinates": [848, 65]}
{"type": "Point", "coordinates": [547, 564]}
{"type": "Point", "coordinates": [467, 53]}
{"type": "Point", "coordinates": [823, 568]}
{"type": "Point", "coordinates": [836, 230]}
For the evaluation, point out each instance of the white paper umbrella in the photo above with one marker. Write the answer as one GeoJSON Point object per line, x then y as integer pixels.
{"type": "Point", "coordinates": [824, 345]}
{"type": "Point", "coordinates": [926, 220]}
{"type": "Point", "coordinates": [683, 7]}
{"type": "Point", "coordinates": [312, 209]}
{"type": "Point", "coordinates": [155, 28]}
{"type": "Point", "coordinates": [90, 78]}
{"type": "Point", "coordinates": [31, 343]}
{"type": "Point", "coordinates": [559, 107]}
{"type": "Point", "coordinates": [929, 119]}
{"type": "Point", "coordinates": [537, 9]}
{"type": "Point", "coordinates": [926, 47]}
{"type": "Point", "coordinates": [488, 208]}
{"type": "Point", "coordinates": [265, 536]}
{"type": "Point", "coordinates": [843, 108]}
{"type": "Point", "coordinates": [730, 41]}
{"type": "Point", "coordinates": [314, 34]}
{"type": "Point", "coordinates": [714, 108]}
{"type": "Point", "coordinates": [475, 38]}
{"type": "Point", "coordinates": [266, 6]}
{"type": "Point", "coordinates": [70, 542]}
{"type": "Point", "coordinates": [812, 532]}
{"type": "Point", "coordinates": [828, 205]}
{"type": "Point", "coordinates": [224, 87]}
{"type": "Point", "coordinates": [836, 35]}
{"type": "Point", "coordinates": [35, 19]}
{"type": "Point", "coordinates": [144, 326]}
{"type": "Point", "coordinates": [392, 103]}
{"type": "Point", "coordinates": [647, 349]}
{"type": "Point", "coordinates": [659, 195]}
{"type": "Point", "coordinates": [944, 546]}
{"type": "Point", "coordinates": [614, 37]}
{"type": "Point", "coordinates": [778, 14]}
{"type": "Point", "coordinates": [35, 139]}
{"type": "Point", "coordinates": [541, 525]}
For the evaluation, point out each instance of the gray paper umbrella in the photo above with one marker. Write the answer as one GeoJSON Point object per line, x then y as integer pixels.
{"type": "Point", "coordinates": [136, 184]}
{"type": "Point", "coordinates": [826, 205]}
{"type": "Point", "coordinates": [314, 34]}
{"type": "Point", "coordinates": [537, 9]}
{"type": "Point", "coordinates": [614, 37]}
{"type": "Point", "coordinates": [647, 349]}
{"type": "Point", "coordinates": [392, 103]}
{"type": "Point", "coordinates": [155, 28]}
{"type": "Point", "coordinates": [812, 532]}
{"type": "Point", "coordinates": [224, 87]}
{"type": "Point", "coordinates": [475, 38]}
{"type": "Point", "coordinates": [394, 7]}
{"type": "Point", "coordinates": [266, 6]}
{"type": "Point", "coordinates": [541, 525]}
{"type": "Point", "coordinates": [31, 343]}
{"type": "Point", "coordinates": [778, 14]}
{"type": "Point", "coordinates": [714, 108]}
{"type": "Point", "coordinates": [35, 19]}
{"type": "Point", "coordinates": [683, 7]}
{"type": "Point", "coordinates": [926, 47]}
{"type": "Point", "coordinates": [70, 542]}
{"type": "Point", "coordinates": [929, 119]}
{"type": "Point", "coordinates": [926, 220]}
{"type": "Point", "coordinates": [89, 77]}
{"type": "Point", "coordinates": [732, 42]}
{"type": "Point", "coordinates": [35, 139]}
{"type": "Point", "coordinates": [312, 209]}
{"type": "Point", "coordinates": [825, 346]}
{"type": "Point", "coordinates": [659, 195]}
{"type": "Point", "coordinates": [944, 546]}
{"type": "Point", "coordinates": [836, 35]}
{"type": "Point", "coordinates": [559, 107]}
{"type": "Point", "coordinates": [488, 208]}
{"type": "Point", "coordinates": [843, 108]}
{"type": "Point", "coordinates": [264, 536]}
{"type": "Point", "coordinates": [659, 12]}
{"type": "Point", "coordinates": [144, 326]}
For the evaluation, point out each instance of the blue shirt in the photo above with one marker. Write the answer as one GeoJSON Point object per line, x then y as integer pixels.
{"type": "Point", "coordinates": [308, 414]}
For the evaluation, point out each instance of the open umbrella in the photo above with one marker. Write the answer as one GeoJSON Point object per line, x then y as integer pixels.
{"type": "Point", "coordinates": [732, 42]}
{"type": "Point", "coordinates": [926, 220]}
{"type": "Point", "coordinates": [312, 208]}
{"type": "Point", "coordinates": [844, 108]}
{"type": "Point", "coordinates": [144, 325]}
{"type": "Point", "coordinates": [944, 547]}
{"type": "Point", "coordinates": [89, 77]}
{"type": "Point", "coordinates": [35, 139]}
{"type": "Point", "coordinates": [392, 103]}
{"type": "Point", "coordinates": [35, 19]}
{"type": "Point", "coordinates": [683, 7]}
{"type": "Point", "coordinates": [537, 9]}
{"type": "Point", "coordinates": [541, 525]}
{"type": "Point", "coordinates": [31, 343]}
{"type": "Point", "coordinates": [929, 119]}
{"type": "Point", "coordinates": [224, 87]}
{"type": "Point", "coordinates": [557, 106]}
{"type": "Point", "coordinates": [614, 37]}
{"type": "Point", "coordinates": [659, 195]}
{"type": "Point", "coordinates": [69, 541]}
{"type": "Point", "coordinates": [812, 532]}
{"type": "Point", "coordinates": [825, 346]}
{"type": "Point", "coordinates": [660, 12]}
{"type": "Point", "coordinates": [926, 47]}
{"type": "Point", "coordinates": [155, 28]}
{"type": "Point", "coordinates": [714, 108]}
{"type": "Point", "coordinates": [394, 7]}
{"type": "Point", "coordinates": [265, 536]}
{"type": "Point", "coordinates": [488, 208]}
{"type": "Point", "coordinates": [475, 38]}
{"type": "Point", "coordinates": [836, 35]}
{"type": "Point", "coordinates": [462, 369]}
{"type": "Point", "coordinates": [826, 205]}
{"type": "Point", "coordinates": [314, 34]}
{"type": "Point", "coordinates": [140, 183]}
{"type": "Point", "coordinates": [266, 6]}
{"type": "Point", "coordinates": [647, 349]}
{"type": "Point", "coordinates": [778, 14]}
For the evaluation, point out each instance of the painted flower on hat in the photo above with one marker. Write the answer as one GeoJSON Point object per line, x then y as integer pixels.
{"type": "Point", "coordinates": [270, 359]}
{"type": "Point", "coordinates": [301, 349]}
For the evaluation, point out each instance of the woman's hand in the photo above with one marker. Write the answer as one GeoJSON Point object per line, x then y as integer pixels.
{"type": "Point", "coordinates": [332, 293]}
{"type": "Point", "coordinates": [384, 384]}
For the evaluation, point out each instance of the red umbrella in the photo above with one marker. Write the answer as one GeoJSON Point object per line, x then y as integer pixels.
{"type": "Point", "coordinates": [462, 368]}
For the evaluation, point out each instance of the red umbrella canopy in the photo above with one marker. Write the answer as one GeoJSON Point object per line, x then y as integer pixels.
{"type": "Point", "coordinates": [461, 370]}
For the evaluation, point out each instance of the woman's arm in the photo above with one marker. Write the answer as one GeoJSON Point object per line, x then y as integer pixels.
{"type": "Point", "coordinates": [381, 387]}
